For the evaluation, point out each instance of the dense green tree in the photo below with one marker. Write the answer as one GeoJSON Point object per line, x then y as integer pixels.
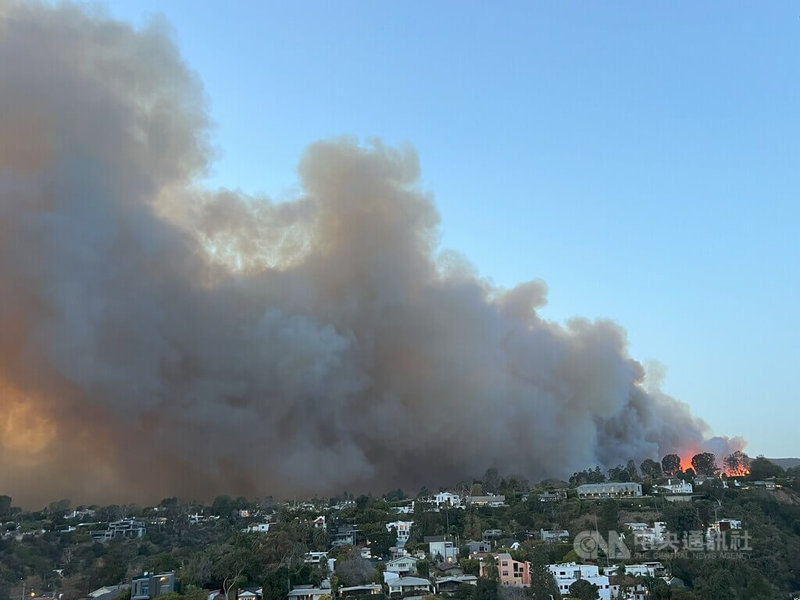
{"type": "Point", "coordinates": [681, 518]}
{"type": "Point", "coordinates": [650, 469]}
{"type": "Point", "coordinates": [543, 586]}
{"type": "Point", "coordinates": [763, 468]}
{"type": "Point", "coordinates": [58, 508]}
{"type": "Point", "coordinates": [487, 589]}
{"type": "Point", "coordinates": [473, 527]}
{"type": "Point", "coordinates": [196, 569]}
{"type": "Point", "coordinates": [491, 481]}
{"type": "Point", "coordinates": [395, 495]}
{"type": "Point", "coordinates": [512, 487]}
{"type": "Point", "coordinates": [276, 583]}
{"type": "Point", "coordinates": [588, 476]}
{"type": "Point", "coordinates": [380, 540]}
{"type": "Point", "coordinates": [671, 464]}
{"type": "Point", "coordinates": [229, 565]}
{"type": "Point", "coordinates": [423, 568]}
{"type": "Point", "coordinates": [717, 584]}
{"type": "Point", "coordinates": [161, 563]}
{"type": "Point", "coordinates": [113, 567]}
{"type": "Point", "coordinates": [223, 506]}
{"type": "Point", "coordinates": [660, 590]}
{"type": "Point", "coordinates": [705, 463]}
{"type": "Point", "coordinates": [470, 566]}
{"type": "Point", "coordinates": [5, 507]}
{"type": "Point", "coordinates": [354, 570]}
{"type": "Point", "coordinates": [608, 517]}
{"type": "Point", "coordinates": [619, 473]}
{"type": "Point", "coordinates": [465, 591]}
{"type": "Point", "coordinates": [584, 590]}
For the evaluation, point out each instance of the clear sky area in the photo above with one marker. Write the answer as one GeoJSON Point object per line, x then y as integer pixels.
{"type": "Point", "coordinates": [641, 159]}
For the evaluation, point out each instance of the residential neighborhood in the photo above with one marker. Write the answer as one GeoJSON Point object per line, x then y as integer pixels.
{"type": "Point", "coordinates": [630, 534]}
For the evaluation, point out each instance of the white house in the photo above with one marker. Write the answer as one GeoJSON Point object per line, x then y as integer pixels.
{"type": "Point", "coordinates": [554, 535]}
{"type": "Point", "coordinates": [725, 525]}
{"type": "Point", "coordinates": [368, 589]}
{"type": "Point", "coordinates": [565, 574]}
{"type": "Point", "coordinates": [315, 558]}
{"type": "Point", "coordinates": [257, 528]}
{"type": "Point", "coordinates": [635, 588]}
{"type": "Point", "coordinates": [405, 509]}
{"type": "Point", "coordinates": [126, 528]}
{"type": "Point", "coordinates": [573, 570]}
{"type": "Point", "coordinates": [553, 496]}
{"type": "Point", "coordinates": [652, 569]}
{"type": "Point", "coordinates": [403, 529]}
{"type": "Point", "coordinates": [402, 565]}
{"type": "Point", "coordinates": [646, 537]}
{"type": "Point", "coordinates": [447, 499]}
{"type": "Point", "coordinates": [717, 529]}
{"type": "Point", "coordinates": [449, 585]}
{"type": "Point", "coordinates": [676, 486]}
{"type": "Point", "coordinates": [308, 592]}
{"type": "Point", "coordinates": [403, 585]}
{"type": "Point", "coordinates": [770, 485]}
{"type": "Point", "coordinates": [389, 576]}
{"type": "Point", "coordinates": [441, 549]}
{"type": "Point", "coordinates": [492, 500]}
{"type": "Point", "coordinates": [589, 491]}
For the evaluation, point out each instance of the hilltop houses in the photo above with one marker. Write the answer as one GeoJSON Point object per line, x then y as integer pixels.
{"type": "Point", "coordinates": [125, 528]}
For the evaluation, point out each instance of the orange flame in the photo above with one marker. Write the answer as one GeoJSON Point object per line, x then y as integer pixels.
{"type": "Point", "coordinates": [741, 471]}
{"type": "Point", "coordinates": [686, 458]}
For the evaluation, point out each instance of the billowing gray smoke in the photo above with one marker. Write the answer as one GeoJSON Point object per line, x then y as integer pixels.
{"type": "Point", "coordinates": [159, 339]}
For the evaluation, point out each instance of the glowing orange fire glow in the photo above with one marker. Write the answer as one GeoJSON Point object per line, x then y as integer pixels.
{"type": "Point", "coordinates": [23, 428]}
{"type": "Point", "coordinates": [740, 472]}
{"type": "Point", "coordinates": [686, 463]}
{"type": "Point", "coordinates": [686, 458]}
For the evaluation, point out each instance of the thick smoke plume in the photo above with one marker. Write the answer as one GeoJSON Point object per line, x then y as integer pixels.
{"type": "Point", "coordinates": [157, 338]}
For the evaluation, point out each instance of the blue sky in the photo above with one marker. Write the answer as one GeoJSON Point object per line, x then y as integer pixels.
{"type": "Point", "coordinates": [640, 159]}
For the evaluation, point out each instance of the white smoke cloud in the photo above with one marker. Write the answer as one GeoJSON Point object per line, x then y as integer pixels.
{"type": "Point", "coordinates": [157, 338]}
